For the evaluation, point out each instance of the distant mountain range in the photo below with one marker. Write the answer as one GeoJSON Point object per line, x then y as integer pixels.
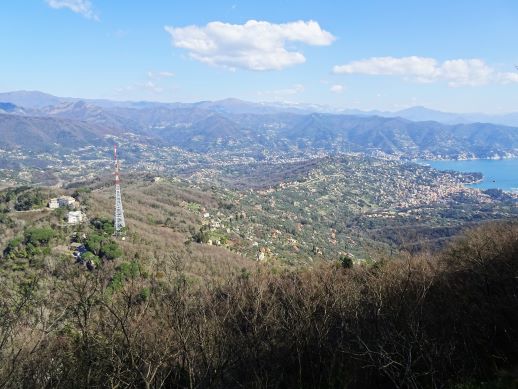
{"type": "Point", "coordinates": [46, 134]}
{"type": "Point", "coordinates": [39, 122]}
{"type": "Point", "coordinates": [424, 114]}
{"type": "Point", "coordinates": [35, 100]}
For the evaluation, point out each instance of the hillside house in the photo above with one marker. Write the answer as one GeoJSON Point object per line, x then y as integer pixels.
{"type": "Point", "coordinates": [65, 201]}
{"type": "Point", "coordinates": [53, 203]}
{"type": "Point", "coordinates": [60, 202]}
{"type": "Point", "coordinates": [75, 217]}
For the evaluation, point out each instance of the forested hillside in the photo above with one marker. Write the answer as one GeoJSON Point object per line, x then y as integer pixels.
{"type": "Point", "coordinates": [186, 299]}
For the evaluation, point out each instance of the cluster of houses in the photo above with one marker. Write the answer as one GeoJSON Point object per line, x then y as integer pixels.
{"type": "Point", "coordinates": [73, 217]}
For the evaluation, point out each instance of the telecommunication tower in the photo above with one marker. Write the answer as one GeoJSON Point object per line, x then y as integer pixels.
{"type": "Point", "coordinates": [119, 212]}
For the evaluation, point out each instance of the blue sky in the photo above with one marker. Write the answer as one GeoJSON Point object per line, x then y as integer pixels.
{"type": "Point", "coordinates": [450, 55]}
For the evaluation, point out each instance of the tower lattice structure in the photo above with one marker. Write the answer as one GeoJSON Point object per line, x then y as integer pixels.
{"type": "Point", "coordinates": [119, 212]}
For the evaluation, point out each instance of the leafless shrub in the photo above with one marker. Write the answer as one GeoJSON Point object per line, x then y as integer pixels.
{"type": "Point", "coordinates": [424, 321]}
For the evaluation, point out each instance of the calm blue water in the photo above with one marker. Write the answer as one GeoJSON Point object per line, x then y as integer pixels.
{"type": "Point", "coordinates": [498, 173]}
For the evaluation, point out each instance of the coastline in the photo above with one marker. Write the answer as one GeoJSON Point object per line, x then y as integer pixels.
{"type": "Point", "coordinates": [494, 176]}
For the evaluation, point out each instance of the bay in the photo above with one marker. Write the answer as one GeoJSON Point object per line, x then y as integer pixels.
{"type": "Point", "coordinates": [498, 173]}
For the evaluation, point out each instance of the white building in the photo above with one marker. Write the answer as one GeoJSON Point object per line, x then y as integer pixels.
{"type": "Point", "coordinates": [53, 203]}
{"type": "Point", "coordinates": [65, 201]}
{"type": "Point", "coordinates": [75, 217]}
{"type": "Point", "coordinates": [62, 201]}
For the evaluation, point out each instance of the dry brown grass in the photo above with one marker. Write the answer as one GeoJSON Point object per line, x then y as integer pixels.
{"type": "Point", "coordinates": [146, 207]}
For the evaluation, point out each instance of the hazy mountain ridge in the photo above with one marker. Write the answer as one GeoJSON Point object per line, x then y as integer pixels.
{"type": "Point", "coordinates": [45, 134]}
{"type": "Point", "coordinates": [243, 128]}
{"type": "Point", "coordinates": [38, 100]}
{"type": "Point", "coordinates": [341, 133]}
{"type": "Point", "coordinates": [425, 114]}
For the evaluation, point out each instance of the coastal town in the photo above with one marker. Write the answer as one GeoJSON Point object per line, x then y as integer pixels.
{"type": "Point", "coordinates": [299, 215]}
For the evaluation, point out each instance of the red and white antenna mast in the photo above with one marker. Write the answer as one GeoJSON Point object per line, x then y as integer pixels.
{"type": "Point", "coordinates": [119, 222]}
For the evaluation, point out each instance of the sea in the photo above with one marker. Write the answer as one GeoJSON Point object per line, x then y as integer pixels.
{"type": "Point", "coordinates": [498, 173]}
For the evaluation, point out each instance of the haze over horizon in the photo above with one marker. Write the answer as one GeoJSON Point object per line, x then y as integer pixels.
{"type": "Point", "coordinates": [36, 99]}
{"type": "Point", "coordinates": [375, 56]}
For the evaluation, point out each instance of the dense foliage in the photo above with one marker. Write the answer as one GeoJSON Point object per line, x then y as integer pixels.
{"type": "Point", "coordinates": [29, 200]}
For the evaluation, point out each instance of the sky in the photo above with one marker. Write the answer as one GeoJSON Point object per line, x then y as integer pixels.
{"type": "Point", "coordinates": [456, 56]}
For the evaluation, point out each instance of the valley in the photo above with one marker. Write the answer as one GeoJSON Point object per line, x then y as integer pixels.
{"type": "Point", "coordinates": [298, 212]}
{"type": "Point", "coordinates": [310, 184]}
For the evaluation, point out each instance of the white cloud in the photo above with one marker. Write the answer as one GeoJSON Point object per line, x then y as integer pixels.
{"type": "Point", "coordinates": [418, 67]}
{"type": "Point", "coordinates": [255, 45]}
{"type": "Point", "coordinates": [472, 72]}
{"type": "Point", "coordinates": [337, 88]}
{"type": "Point", "coordinates": [456, 72]}
{"type": "Point", "coordinates": [506, 78]}
{"type": "Point", "coordinates": [83, 7]}
{"type": "Point", "coordinates": [159, 75]}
